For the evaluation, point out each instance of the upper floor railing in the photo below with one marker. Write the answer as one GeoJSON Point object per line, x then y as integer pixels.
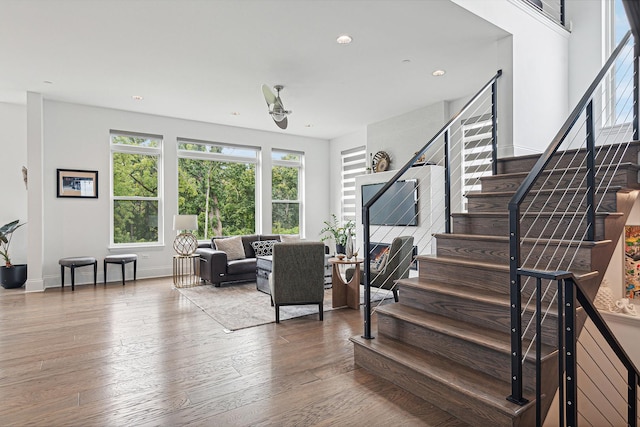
{"type": "Point", "coordinates": [552, 9]}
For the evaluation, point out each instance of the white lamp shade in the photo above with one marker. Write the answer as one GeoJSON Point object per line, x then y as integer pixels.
{"type": "Point", "coordinates": [185, 222]}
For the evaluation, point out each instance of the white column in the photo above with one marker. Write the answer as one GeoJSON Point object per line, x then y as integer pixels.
{"type": "Point", "coordinates": [35, 214]}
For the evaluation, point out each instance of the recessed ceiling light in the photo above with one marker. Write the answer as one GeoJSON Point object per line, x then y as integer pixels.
{"type": "Point", "coordinates": [406, 61]}
{"type": "Point", "coordinates": [235, 113]}
{"type": "Point", "coordinates": [308, 125]}
{"type": "Point", "coordinates": [137, 97]}
{"type": "Point", "coordinates": [344, 39]}
{"type": "Point", "coordinates": [48, 82]}
{"type": "Point", "coordinates": [439, 73]}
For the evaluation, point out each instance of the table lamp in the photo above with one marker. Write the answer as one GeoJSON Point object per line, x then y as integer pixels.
{"type": "Point", "coordinates": [185, 242]}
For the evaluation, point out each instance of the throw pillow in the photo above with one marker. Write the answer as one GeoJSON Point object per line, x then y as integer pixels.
{"type": "Point", "coordinates": [232, 246]}
{"type": "Point", "coordinates": [263, 247]}
{"type": "Point", "coordinates": [289, 238]}
{"type": "Point", "coordinates": [380, 262]}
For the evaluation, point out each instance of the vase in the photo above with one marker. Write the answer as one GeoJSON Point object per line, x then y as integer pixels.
{"type": "Point", "coordinates": [14, 276]}
{"type": "Point", "coordinates": [349, 247]}
{"type": "Point", "coordinates": [339, 249]}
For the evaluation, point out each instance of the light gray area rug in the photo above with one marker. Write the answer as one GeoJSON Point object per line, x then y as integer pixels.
{"type": "Point", "coordinates": [239, 306]}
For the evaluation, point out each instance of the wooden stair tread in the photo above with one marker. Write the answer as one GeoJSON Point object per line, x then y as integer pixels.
{"type": "Point", "coordinates": [479, 295]}
{"type": "Point", "coordinates": [569, 169]}
{"type": "Point", "coordinates": [464, 380]}
{"type": "Point", "coordinates": [495, 340]}
{"type": "Point", "coordinates": [472, 194]}
{"type": "Point", "coordinates": [630, 144]}
{"type": "Point", "coordinates": [485, 265]}
{"type": "Point", "coordinates": [459, 291]}
{"type": "Point", "coordinates": [505, 239]}
{"type": "Point", "coordinates": [456, 261]}
{"type": "Point", "coordinates": [506, 214]}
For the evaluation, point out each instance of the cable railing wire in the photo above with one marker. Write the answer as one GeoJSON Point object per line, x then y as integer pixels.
{"type": "Point", "coordinates": [582, 177]}
{"type": "Point", "coordinates": [483, 107]}
{"type": "Point", "coordinates": [446, 143]}
{"type": "Point", "coordinates": [564, 198]}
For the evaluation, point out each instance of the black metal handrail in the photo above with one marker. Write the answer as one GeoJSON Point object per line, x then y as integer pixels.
{"type": "Point", "coordinates": [443, 132]}
{"type": "Point", "coordinates": [584, 105]}
{"type": "Point", "coordinates": [570, 296]}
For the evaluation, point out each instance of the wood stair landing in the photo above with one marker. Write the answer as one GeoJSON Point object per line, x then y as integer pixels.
{"type": "Point", "coordinates": [447, 340]}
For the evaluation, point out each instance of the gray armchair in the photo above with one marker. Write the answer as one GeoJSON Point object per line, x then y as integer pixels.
{"type": "Point", "coordinates": [297, 275]}
{"type": "Point", "coordinates": [397, 266]}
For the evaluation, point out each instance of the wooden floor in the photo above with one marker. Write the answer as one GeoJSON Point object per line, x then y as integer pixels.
{"type": "Point", "coordinates": [145, 355]}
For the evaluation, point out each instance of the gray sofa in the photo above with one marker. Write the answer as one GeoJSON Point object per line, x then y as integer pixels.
{"type": "Point", "coordinates": [215, 267]}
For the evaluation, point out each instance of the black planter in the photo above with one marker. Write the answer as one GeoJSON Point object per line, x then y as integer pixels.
{"type": "Point", "coordinates": [340, 249]}
{"type": "Point", "coordinates": [14, 276]}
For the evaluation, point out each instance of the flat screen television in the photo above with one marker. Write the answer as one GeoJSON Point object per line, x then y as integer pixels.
{"type": "Point", "coordinates": [397, 206]}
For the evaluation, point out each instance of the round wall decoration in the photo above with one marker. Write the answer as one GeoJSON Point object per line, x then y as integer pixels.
{"type": "Point", "coordinates": [381, 161]}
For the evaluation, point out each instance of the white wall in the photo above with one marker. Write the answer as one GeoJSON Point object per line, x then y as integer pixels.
{"type": "Point", "coordinates": [13, 146]}
{"type": "Point", "coordinates": [401, 136]}
{"type": "Point", "coordinates": [77, 137]}
{"type": "Point", "coordinates": [540, 73]}
{"type": "Point", "coordinates": [586, 45]}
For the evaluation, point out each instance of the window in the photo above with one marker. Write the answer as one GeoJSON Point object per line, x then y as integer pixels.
{"type": "Point", "coordinates": [354, 162]}
{"type": "Point", "coordinates": [136, 188]}
{"type": "Point", "coordinates": [477, 140]}
{"type": "Point", "coordinates": [618, 91]}
{"type": "Point", "coordinates": [217, 182]}
{"type": "Point", "coordinates": [623, 105]}
{"type": "Point", "coordinates": [286, 182]}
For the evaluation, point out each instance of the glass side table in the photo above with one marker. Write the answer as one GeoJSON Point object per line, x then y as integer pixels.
{"type": "Point", "coordinates": [186, 270]}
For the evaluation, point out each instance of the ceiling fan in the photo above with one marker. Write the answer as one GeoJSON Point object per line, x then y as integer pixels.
{"type": "Point", "coordinates": [276, 109]}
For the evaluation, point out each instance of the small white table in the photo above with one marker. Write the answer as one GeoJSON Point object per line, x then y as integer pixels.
{"type": "Point", "coordinates": [186, 270]}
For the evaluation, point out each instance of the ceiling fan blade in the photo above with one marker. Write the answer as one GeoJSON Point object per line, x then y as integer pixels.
{"type": "Point", "coordinates": [268, 95]}
{"type": "Point", "coordinates": [282, 124]}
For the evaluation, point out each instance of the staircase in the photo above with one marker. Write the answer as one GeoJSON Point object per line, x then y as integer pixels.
{"type": "Point", "coordinates": [447, 339]}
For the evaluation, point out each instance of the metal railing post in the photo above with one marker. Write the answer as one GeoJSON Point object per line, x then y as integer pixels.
{"type": "Point", "coordinates": [538, 352]}
{"type": "Point", "coordinates": [447, 184]}
{"type": "Point", "coordinates": [591, 175]}
{"type": "Point", "coordinates": [633, 399]}
{"type": "Point", "coordinates": [367, 273]}
{"type": "Point", "coordinates": [561, 366]}
{"type": "Point", "coordinates": [494, 128]}
{"type": "Point", "coordinates": [636, 89]}
{"type": "Point", "coordinates": [515, 306]}
{"type": "Point", "coordinates": [571, 385]}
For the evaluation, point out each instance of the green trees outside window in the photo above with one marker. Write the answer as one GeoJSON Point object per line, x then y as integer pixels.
{"type": "Point", "coordinates": [285, 192]}
{"type": "Point", "coordinates": [222, 194]}
{"type": "Point", "coordinates": [135, 188]}
{"type": "Point", "coordinates": [218, 184]}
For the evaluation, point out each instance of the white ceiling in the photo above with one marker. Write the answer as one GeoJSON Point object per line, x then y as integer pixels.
{"type": "Point", "coordinates": [203, 60]}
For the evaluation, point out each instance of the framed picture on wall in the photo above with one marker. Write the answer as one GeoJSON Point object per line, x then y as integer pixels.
{"type": "Point", "coordinates": [77, 183]}
{"type": "Point", "coordinates": [632, 261]}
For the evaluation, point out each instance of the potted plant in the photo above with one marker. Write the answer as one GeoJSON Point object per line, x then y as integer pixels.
{"type": "Point", "coordinates": [11, 276]}
{"type": "Point", "coordinates": [338, 234]}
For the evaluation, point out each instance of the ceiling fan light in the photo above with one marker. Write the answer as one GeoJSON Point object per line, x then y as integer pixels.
{"type": "Point", "coordinates": [278, 116]}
